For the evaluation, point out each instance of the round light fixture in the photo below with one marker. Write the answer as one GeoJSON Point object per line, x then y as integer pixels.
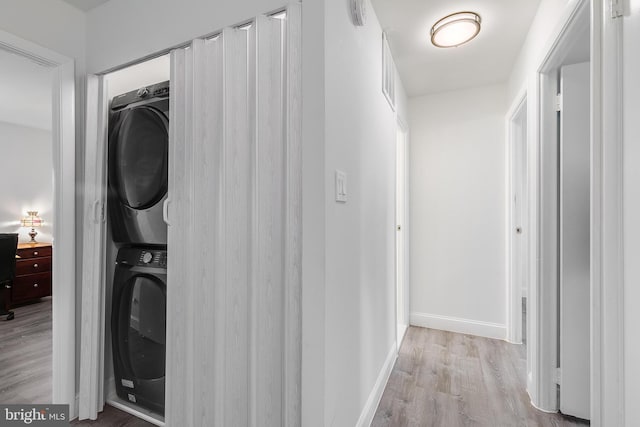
{"type": "Point", "coordinates": [455, 29]}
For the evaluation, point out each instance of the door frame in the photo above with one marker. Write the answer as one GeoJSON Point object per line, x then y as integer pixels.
{"type": "Point", "coordinates": [607, 249]}
{"type": "Point", "coordinates": [64, 224]}
{"type": "Point", "coordinates": [544, 302]}
{"type": "Point", "coordinates": [402, 286]}
{"type": "Point", "coordinates": [516, 114]}
{"type": "Point", "coordinates": [607, 302]}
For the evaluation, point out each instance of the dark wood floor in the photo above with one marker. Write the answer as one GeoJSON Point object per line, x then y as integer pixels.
{"type": "Point", "coordinates": [25, 355]}
{"type": "Point", "coordinates": [112, 417]}
{"type": "Point", "coordinates": [445, 379]}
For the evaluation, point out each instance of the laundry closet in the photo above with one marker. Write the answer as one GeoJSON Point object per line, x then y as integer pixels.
{"type": "Point", "coordinates": [136, 244]}
{"type": "Point", "coordinates": [192, 256]}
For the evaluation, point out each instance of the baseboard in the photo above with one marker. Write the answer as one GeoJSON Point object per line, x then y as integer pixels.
{"type": "Point", "coordinates": [462, 326]}
{"type": "Point", "coordinates": [76, 408]}
{"type": "Point", "coordinates": [369, 410]}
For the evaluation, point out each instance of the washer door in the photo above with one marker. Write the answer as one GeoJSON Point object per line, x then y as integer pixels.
{"type": "Point", "coordinates": [139, 157]}
{"type": "Point", "coordinates": [142, 326]}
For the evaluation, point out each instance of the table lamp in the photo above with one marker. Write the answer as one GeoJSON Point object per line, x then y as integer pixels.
{"type": "Point", "coordinates": [33, 221]}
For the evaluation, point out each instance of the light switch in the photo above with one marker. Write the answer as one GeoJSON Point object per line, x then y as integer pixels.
{"type": "Point", "coordinates": [341, 186]}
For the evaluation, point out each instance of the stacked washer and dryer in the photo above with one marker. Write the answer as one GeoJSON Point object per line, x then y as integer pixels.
{"type": "Point", "coordinates": [137, 190]}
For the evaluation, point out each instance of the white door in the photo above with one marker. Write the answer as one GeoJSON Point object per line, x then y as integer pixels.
{"type": "Point", "coordinates": [518, 138]}
{"type": "Point", "coordinates": [401, 294]}
{"type": "Point", "coordinates": [574, 241]}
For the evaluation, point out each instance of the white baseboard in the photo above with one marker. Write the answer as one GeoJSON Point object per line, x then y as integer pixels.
{"type": "Point", "coordinates": [369, 410]}
{"type": "Point", "coordinates": [463, 326]}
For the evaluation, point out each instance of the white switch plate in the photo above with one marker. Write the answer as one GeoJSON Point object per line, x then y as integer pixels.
{"type": "Point", "coordinates": [341, 186]}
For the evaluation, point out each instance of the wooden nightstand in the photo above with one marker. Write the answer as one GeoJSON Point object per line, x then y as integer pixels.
{"type": "Point", "coordinates": [33, 273]}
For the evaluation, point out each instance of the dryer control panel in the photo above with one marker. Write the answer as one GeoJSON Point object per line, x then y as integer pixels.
{"type": "Point", "coordinates": [158, 90]}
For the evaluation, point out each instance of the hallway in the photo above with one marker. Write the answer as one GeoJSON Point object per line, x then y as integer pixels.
{"type": "Point", "coordinates": [446, 379]}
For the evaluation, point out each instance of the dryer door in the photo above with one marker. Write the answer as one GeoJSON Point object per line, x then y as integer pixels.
{"type": "Point", "coordinates": [139, 158]}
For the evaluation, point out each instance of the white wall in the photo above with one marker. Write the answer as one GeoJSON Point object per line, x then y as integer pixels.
{"type": "Point", "coordinates": [27, 179]}
{"type": "Point", "coordinates": [53, 24]}
{"type": "Point", "coordinates": [360, 282]}
{"type": "Point", "coordinates": [313, 214]}
{"type": "Point", "coordinates": [457, 211]}
{"type": "Point", "coordinates": [122, 31]}
{"type": "Point", "coordinates": [631, 197]}
{"type": "Point", "coordinates": [544, 28]}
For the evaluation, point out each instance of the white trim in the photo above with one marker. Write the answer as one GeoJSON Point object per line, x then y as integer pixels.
{"type": "Point", "coordinates": [136, 411]}
{"type": "Point", "coordinates": [370, 407]}
{"type": "Point", "coordinates": [35, 52]}
{"type": "Point", "coordinates": [458, 325]}
{"type": "Point", "coordinates": [542, 301]}
{"type": "Point", "coordinates": [514, 292]}
{"type": "Point", "coordinates": [292, 381]}
{"type": "Point", "coordinates": [607, 302]}
{"type": "Point", "coordinates": [64, 225]}
{"type": "Point", "coordinates": [402, 285]}
{"type": "Point", "coordinates": [92, 336]}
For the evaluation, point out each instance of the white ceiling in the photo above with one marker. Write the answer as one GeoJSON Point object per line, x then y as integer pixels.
{"type": "Point", "coordinates": [85, 5]}
{"type": "Point", "coordinates": [25, 92]}
{"type": "Point", "coordinates": [488, 59]}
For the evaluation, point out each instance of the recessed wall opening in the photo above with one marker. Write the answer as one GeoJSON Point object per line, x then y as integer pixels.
{"type": "Point", "coordinates": [136, 248]}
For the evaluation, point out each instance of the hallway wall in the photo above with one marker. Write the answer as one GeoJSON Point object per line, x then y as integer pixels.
{"type": "Point", "coordinates": [549, 18]}
{"type": "Point", "coordinates": [360, 234]}
{"type": "Point", "coordinates": [631, 197]}
{"type": "Point", "coordinates": [457, 211]}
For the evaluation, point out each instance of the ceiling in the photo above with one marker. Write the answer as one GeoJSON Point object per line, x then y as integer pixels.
{"type": "Point", "coordinates": [85, 5]}
{"type": "Point", "coordinates": [488, 59]}
{"type": "Point", "coordinates": [25, 92]}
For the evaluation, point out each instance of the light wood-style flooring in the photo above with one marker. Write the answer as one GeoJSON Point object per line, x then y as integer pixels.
{"type": "Point", "coordinates": [25, 355]}
{"type": "Point", "coordinates": [444, 379]}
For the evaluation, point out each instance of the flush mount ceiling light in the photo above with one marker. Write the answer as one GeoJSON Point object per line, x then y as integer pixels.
{"type": "Point", "coordinates": [455, 29]}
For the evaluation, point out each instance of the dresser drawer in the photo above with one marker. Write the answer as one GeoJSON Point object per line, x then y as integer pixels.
{"type": "Point", "coordinates": [33, 265]}
{"type": "Point", "coordinates": [31, 286]}
{"type": "Point", "coordinates": [34, 252]}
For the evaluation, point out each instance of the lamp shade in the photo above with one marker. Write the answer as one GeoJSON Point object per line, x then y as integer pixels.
{"type": "Point", "coordinates": [32, 220]}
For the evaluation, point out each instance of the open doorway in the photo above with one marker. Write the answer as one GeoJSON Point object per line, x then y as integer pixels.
{"type": "Point", "coordinates": [562, 312]}
{"type": "Point", "coordinates": [58, 276]}
{"type": "Point", "coordinates": [518, 230]}
{"type": "Point", "coordinates": [26, 168]}
{"type": "Point", "coordinates": [402, 293]}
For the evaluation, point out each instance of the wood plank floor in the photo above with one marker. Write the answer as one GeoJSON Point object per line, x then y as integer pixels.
{"type": "Point", "coordinates": [445, 379]}
{"type": "Point", "coordinates": [26, 364]}
{"type": "Point", "coordinates": [112, 417]}
{"type": "Point", "coordinates": [25, 355]}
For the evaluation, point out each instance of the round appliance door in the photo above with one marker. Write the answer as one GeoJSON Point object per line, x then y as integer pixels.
{"type": "Point", "coordinates": [140, 151]}
{"type": "Point", "coordinates": [142, 326]}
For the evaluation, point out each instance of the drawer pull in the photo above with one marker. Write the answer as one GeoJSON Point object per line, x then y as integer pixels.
{"type": "Point", "coordinates": [35, 265]}
{"type": "Point", "coordinates": [35, 253]}
{"type": "Point", "coordinates": [35, 285]}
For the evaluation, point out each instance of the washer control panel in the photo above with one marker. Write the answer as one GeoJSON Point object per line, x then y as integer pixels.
{"type": "Point", "coordinates": [153, 258]}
